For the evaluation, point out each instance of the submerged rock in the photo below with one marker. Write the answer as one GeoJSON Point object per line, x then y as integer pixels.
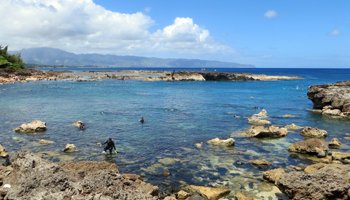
{"type": "Point", "coordinates": [273, 175]}
{"type": "Point", "coordinates": [211, 193]}
{"type": "Point", "coordinates": [3, 152]}
{"type": "Point", "coordinates": [34, 177]}
{"type": "Point", "coordinates": [242, 196]}
{"type": "Point", "coordinates": [222, 142]}
{"type": "Point", "coordinates": [313, 132]}
{"type": "Point", "coordinates": [69, 148]}
{"type": "Point", "coordinates": [313, 146]}
{"type": "Point", "coordinates": [334, 143]}
{"type": "Point", "coordinates": [44, 142]}
{"type": "Point", "coordinates": [260, 162]}
{"type": "Point", "coordinates": [329, 182]}
{"type": "Point", "coordinates": [32, 127]}
{"type": "Point", "coordinates": [262, 131]}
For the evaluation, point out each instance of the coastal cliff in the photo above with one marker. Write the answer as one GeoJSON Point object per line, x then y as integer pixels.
{"type": "Point", "coordinates": [331, 99]}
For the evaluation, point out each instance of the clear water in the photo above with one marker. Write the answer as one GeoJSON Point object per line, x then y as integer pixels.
{"type": "Point", "coordinates": [178, 115]}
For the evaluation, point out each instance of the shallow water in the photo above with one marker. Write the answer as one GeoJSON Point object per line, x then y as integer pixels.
{"type": "Point", "coordinates": [178, 115]}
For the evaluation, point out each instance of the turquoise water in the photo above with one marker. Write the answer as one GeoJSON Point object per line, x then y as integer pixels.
{"type": "Point", "coordinates": [178, 115]}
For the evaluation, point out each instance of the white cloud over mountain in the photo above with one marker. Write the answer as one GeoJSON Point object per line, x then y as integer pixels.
{"type": "Point", "coordinates": [83, 26]}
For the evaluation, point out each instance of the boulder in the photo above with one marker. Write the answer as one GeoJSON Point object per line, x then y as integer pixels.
{"type": "Point", "coordinates": [222, 142]}
{"type": "Point", "coordinates": [293, 127]}
{"type": "Point", "coordinates": [3, 152]}
{"type": "Point", "coordinates": [79, 124]}
{"type": "Point", "coordinates": [211, 193]}
{"type": "Point", "coordinates": [242, 196]}
{"type": "Point", "coordinates": [45, 142]}
{"type": "Point", "coordinates": [260, 162]}
{"type": "Point", "coordinates": [329, 182]}
{"type": "Point", "coordinates": [32, 127]}
{"type": "Point", "coordinates": [273, 175]}
{"type": "Point", "coordinates": [313, 132]}
{"type": "Point", "coordinates": [334, 143]}
{"type": "Point", "coordinates": [331, 112]}
{"type": "Point", "coordinates": [262, 131]}
{"type": "Point", "coordinates": [313, 146]}
{"type": "Point", "coordinates": [69, 148]}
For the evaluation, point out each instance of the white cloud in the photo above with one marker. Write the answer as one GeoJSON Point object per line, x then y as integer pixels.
{"type": "Point", "coordinates": [271, 14]}
{"type": "Point", "coordinates": [335, 32]}
{"type": "Point", "coordinates": [83, 26]}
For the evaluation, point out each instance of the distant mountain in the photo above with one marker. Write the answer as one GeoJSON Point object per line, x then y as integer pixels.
{"type": "Point", "coordinates": [58, 57]}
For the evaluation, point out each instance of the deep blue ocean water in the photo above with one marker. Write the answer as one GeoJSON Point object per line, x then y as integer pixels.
{"type": "Point", "coordinates": [178, 115]}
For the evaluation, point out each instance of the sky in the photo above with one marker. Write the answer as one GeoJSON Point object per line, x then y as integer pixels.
{"type": "Point", "coordinates": [265, 33]}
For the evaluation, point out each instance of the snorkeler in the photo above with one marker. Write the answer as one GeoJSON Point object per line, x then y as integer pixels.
{"type": "Point", "coordinates": [109, 145]}
{"type": "Point", "coordinates": [142, 120]}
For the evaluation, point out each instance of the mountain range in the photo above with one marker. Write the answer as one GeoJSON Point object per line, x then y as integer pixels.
{"type": "Point", "coordinates": [57, 57]}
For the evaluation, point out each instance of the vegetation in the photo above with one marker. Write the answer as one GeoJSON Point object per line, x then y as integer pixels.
{"type": "Point", "coordinates": [9, 61]}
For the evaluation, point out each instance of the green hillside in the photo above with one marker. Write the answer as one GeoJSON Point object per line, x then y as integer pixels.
{"type": "Point", "coordinates": [9, 61]}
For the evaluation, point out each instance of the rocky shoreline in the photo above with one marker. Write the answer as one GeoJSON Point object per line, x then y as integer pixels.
{"type": "Point", "coordinates": [331, 100]}
{"type": "Point", "coordinates": [8, 76]}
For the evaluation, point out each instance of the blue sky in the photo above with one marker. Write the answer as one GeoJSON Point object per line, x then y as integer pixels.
{"type": "Point", "coordinates": [265, 33]}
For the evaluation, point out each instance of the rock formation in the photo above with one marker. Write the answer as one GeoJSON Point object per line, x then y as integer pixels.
{"type": "Point", "coordinates": [332, 99]}
{"type": "Point", "coordinates": [32, 127]}
{"type": "Point", "coordinates": [329, 182]}
{"type": "Point", "coordinates": [311, 146]}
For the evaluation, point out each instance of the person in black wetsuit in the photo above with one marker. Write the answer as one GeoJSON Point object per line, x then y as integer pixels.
{"type": "Point", "coordinates": [142, 120]}
{"type": "Point", "coordinates": [109, 145]}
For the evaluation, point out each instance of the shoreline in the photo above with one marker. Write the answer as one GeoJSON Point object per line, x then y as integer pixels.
{"type": "Point", "coordinates": [141, 75]}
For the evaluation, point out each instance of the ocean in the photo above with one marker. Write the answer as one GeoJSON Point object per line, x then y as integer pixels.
{"type": "Point", "coordinates": [177, 115]}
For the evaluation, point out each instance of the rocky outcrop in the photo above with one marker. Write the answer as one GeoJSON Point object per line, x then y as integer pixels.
{"type": "Point", "coordinates": [3, 152]}
{"type": "Point", "coordinates": [266, 132]}
{"type": "Point", "coordinates": [211, 193]}
{"type": "Point", "coordinates": [329, 182]}
{"type": "Point", "coordinates": [311, 146]}
{"type": "Point", "coordinates": [332, 99]}
{"type": "Point", "coordinates": [31, 176]}
{"type": "Point", "coordinates": [273, 175]}
{"type": "Point", "coordinates": [259, 118]}
{"type": "Point", "coordinates": [313, 132]}
{"type": "Point", "coordinates": [222, 142]}
{"type": "Point", "coordinates": [32, 127]}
